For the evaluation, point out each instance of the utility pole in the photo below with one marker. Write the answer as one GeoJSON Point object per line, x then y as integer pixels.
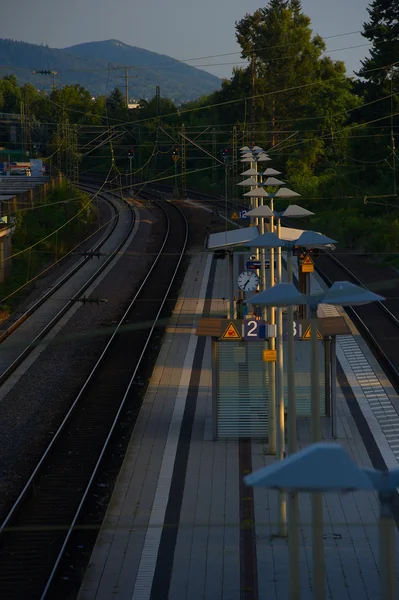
{"type": "Point", "coordinates": [126, 77]}
{"type": "Point", "coordinates": [214, 164]}
{"type": "Point", "coordinates": [25, 126]}
{"type": "Point", "coordinates": [253, 99]}
{"type": "Point", "coordinates": [74, 155]}
{"type": "Point", "coordinates": [183, 163]}
{"type": "Point", "coordinates": [22, 112]}
{"type": "Point", "coordinates": [235, 163]}
{"type": "Point", "coordinates": [48, 72]}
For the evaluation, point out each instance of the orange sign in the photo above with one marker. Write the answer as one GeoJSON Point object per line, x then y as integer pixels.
{"type": "Point", "coordinates": [269, 355]}
{"type": "Point", "coordinates": [308, 334]}
{"type": "Point", "coordinates": [175, 157]}
{"type": "Point", "coordinates": [231, 332]}
{"type": "Point", "coordinates": [307, 265]}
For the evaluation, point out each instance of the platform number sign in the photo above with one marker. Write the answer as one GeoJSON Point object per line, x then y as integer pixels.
{"type": "Point", "coordinates": [297, 330]}
{"type": "Point", "coordinates": [254, 330]}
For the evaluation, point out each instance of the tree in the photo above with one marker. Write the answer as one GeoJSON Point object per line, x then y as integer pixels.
{"type": "Point", "coordinates": [379, 85]}
{"type": "Point", "coordinates": [279, 39]}
{"type": "Point", "coordinates": [10, 94]}
{"type": "Point", "coordinates": [116, 106]}
{"type": "Point", "coordinates": [383, 32]}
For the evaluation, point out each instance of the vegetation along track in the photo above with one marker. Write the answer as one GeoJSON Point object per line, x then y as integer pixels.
{"type": "Point", "coordinates": [39, 525]}
{"type": "Point", "coordinates": [376, 321]}
{"type": "Point", "coordinates": [65, 305]}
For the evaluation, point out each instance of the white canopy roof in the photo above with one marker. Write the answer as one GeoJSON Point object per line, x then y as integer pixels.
{"type": "Point", "coordinates": [248, 182]}
{"type": "Point", "coordinates": [250, 172]}
{"type": "Point", "coordinates": [286, 193]}
{"type": "Point", "coordinates": [232, 238]}
{"type": "Point", "coordinates": [269, 171]}
{"type": "Point", "coordinates": [257, 193]}
{"type": "Point", "coordinates": [273, 181]}
{"type": "Point", "coordinates": [261, 211]}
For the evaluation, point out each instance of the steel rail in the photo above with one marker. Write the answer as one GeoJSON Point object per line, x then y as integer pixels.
{"type": "Point", "coordinates": [68, 417]}
{"type": "Point", "coordinates": [123, 401]}
{"type": "Point", "coordinates": [51, 324]}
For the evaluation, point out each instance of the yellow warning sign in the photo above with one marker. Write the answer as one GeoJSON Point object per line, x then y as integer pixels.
{"type": "Point", "coordinates": [269, 355]}
{"type": "Point", "coordinates": [175, 157]}
{"type": "Point", "coordinates": [234, 216]}
{"type": "Point", "coordinates": [231, 332]}
{"type": "Point", "coordinates": [308, 334]}
{"type": "Point", "coordinates": [307, 265]}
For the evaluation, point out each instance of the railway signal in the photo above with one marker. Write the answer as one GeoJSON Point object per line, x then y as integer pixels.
{"type": "Point", "coordinates": [225, 154]}
{"type": "Point", "coordinates": [176, 153]}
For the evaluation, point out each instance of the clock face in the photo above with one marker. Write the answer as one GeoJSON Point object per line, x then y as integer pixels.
{"type": "Point", "coordinates": [248, 281]}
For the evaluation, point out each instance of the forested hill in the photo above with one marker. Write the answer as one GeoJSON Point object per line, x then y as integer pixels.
{"type": "Point", "coordinates": [87, 64]}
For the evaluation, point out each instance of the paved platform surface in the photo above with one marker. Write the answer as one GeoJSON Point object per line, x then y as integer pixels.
{"type": "Point", "coordinates": [174, 527]}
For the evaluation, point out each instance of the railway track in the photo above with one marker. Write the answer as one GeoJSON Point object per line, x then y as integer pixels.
{"type": "Point", "coordinates": [377, 321]}
{"type": "Point", "coordinates": [69, 286]}
{"type": "Point", "coordinates": [36, 531]}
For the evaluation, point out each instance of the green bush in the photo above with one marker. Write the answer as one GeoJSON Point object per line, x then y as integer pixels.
{"type": "Point", "coordinates": [43, 235]}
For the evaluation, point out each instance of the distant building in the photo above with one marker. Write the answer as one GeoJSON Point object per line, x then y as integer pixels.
{"type": "Point", "coordinates": [133, 106]}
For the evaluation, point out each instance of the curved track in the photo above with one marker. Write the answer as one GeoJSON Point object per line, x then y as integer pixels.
{"type": "Point", "coordinates": [35, 533]}
{"type": "Point", "coordinates": [11, 358]}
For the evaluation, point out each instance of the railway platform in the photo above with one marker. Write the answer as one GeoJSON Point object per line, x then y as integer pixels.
{"type": "Point", "coordinates": [181, 525]}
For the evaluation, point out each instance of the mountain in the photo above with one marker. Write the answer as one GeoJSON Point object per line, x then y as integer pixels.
{"type": "Point", "coordinates": [92, 65]}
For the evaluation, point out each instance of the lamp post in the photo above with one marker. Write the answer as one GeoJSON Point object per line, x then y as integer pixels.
{"type": "Point", "coordinates": [270, 240]}
{"type": "Point", "coordinates": [341, 293]}
{"type": "Point", "coordinates": [325, 467]}
{"type": "Point", "coordinates": [318, 468]}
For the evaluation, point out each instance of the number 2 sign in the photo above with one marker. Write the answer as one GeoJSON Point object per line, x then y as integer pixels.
{"type": "Point", "coordinates": [254, 330]}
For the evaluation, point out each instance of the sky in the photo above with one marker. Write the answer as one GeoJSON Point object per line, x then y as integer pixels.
{"type": "Point", "coordinates": [182, 29]}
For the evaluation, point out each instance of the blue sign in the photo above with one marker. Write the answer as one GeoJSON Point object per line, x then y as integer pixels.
{"type": "Point", "coordinates": [255, 264]}
{"type": "Point", "coordinates": [243, 214]}
{"type": "Point", "coordinates": [254, 330]}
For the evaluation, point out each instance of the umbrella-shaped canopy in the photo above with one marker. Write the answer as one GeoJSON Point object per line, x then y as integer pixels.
{"type": "Point", "coordinates": [257, 193]}
{"type": "Point", "coordinates": [311, 239]}
{"type": "Point", "coordinates": [286, 193]}
{"type": "Point", "coordinates": [250, 172]}
{"type": "Point", "coordinates": [248, 182]}
{"type": "Point", "coordinates": [266, 240]}
{"type": "Point", "coordinates": [273, 181]}
{"type": "Point", "coordinates": [263, 158]}
{"type": "Point", "coordinates": [270, 172]}
{"type": "Point", "coordinates": [282, 294]}
{"type": "Point", "coordinates": [345, 293]}
{"type": "Point", "coordinates": [322, 467]}
{"type": "Point", "coordinates": [294, 211]}
{"type": "Point", "coordinates": [261, 211]}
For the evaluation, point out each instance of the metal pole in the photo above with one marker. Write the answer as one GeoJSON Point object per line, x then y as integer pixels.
{"type": "Point", "coordinates": [387, 547]}
{"type": "Point", "coordinates": [334, 386]}
{"type": "Point", "coordinates": [327, 376]}
{"type": "Point", "coordinates": [272, 365]}
{"type": "Point", "coordinates": [293, 509]}
{"type": "Point", "coordinates": [231, 282]}
{"type": "Point", "coordinates": [280, 434]}
{"type": "Point", "coordinates": [317, 498]}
